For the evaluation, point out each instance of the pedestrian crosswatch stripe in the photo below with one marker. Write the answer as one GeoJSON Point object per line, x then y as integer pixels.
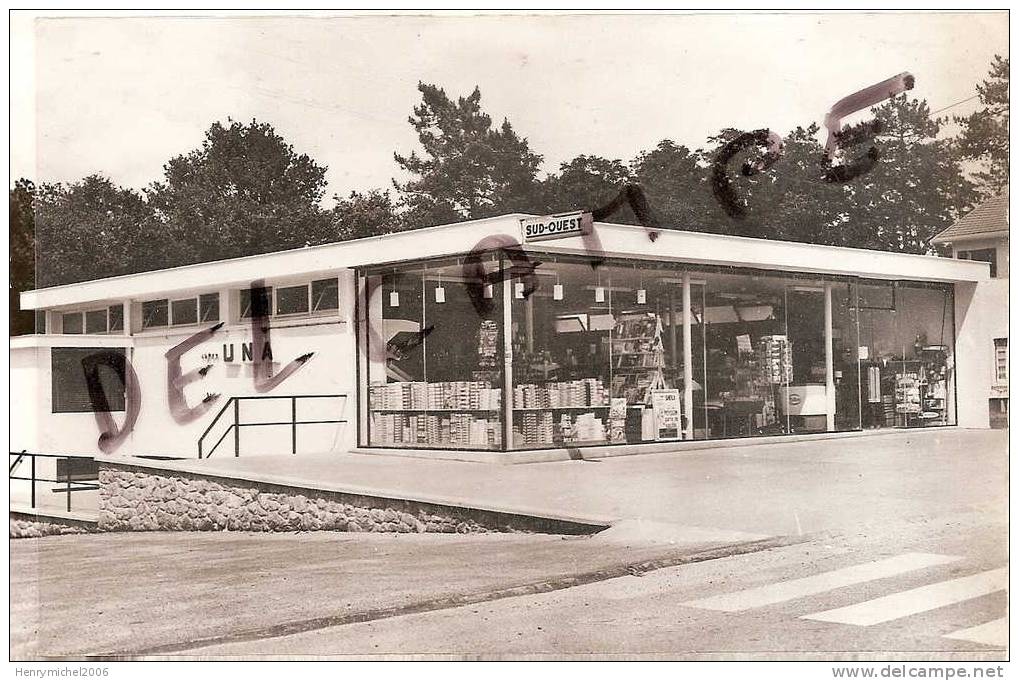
{"type": "Point", "coordinates": [815, 584]}
{"type": "Point", "coordinates": [993, 633]}
{"type": "Point", "coordinates": [914, 601]}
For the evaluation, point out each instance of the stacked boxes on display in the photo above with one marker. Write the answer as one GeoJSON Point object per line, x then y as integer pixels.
{"type": "Point", "coordinates": [535, 424]}
{"type": "Point", "coordinates": [422, 396]}
{"type": "Point", "coordinates": [536, 428]}
{"type": "Point", "coordinates": [444, 414]}
{"type": "Point", "coordinates": [587, 392]}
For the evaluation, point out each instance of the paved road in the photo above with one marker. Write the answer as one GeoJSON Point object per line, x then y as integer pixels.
{"type": "Point", "coordinates": [916, 590]}
{"type": "Point", "coordinates": [138, 593]}
{"type": "Point", "coordinates": [911, 526]}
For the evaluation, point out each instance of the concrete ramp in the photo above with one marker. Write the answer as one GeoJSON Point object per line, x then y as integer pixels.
{"type": "Point", "coordinates": [645, 532]}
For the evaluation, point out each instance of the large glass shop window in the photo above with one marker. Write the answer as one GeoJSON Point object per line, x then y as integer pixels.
{"type": "Point", "coordinates": [435, 377]}
{"type": "Point", "coordinates": [907, 354]}
{"type": "Point", "coordinates": [630, 352]}
{"type": "Point", "coordinates": [774, 365]}
{"type": "Point", "coordinates": [598, 356]}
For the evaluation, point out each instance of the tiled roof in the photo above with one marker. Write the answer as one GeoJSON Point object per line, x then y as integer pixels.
{"type": "Point", "coordinates": [989, 217]}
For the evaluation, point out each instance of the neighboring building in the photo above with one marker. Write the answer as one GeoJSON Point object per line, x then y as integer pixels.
{"type": "Point", "coordinates": [982, 234]}
{"type": "Point", "coordinates": [505, 339]}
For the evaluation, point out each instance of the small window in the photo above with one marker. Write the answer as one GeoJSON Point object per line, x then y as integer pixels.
{"type": "Point", "coordinates": [95, 321]}
{"type": "Point", "coordinates": [40, 321]}
{"type": "Point", "coordinates": [184, 311]}
{"type": "Point", "coordinates": [116, 317]}
{"type": "Point", "coordinates": [1001, 360]}
{"type": "Point", "coordinates": [325, 295]}
{"type": "Point", "coordinates": [982, 255]}
{"type": "Point", "coordinates": [155, 313]}
{"type": "Point", "coordinates": [208, 307]}
{"type": "Point", "coordinates": [292, 299]}
{"type": "Point", "coordinates": [71, 322]}
{"type": "Point", "coordinates": [261, 299]}
{"type": "Point", "coordinates": [87, 379]}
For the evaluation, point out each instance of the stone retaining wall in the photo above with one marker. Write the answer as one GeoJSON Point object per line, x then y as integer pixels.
{"type": "Point", "coordinates": [21, 528]}
{"type": "Point", "coordinates": [139, 499]}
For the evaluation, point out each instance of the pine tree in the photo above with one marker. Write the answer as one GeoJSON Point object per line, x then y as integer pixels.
{"type": "Point", "coordinates": [984, 136]}
{"type": "Point", "coordinates": [468, 169]}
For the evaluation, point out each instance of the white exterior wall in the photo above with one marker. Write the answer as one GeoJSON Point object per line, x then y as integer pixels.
{"type": "Point", "coordinates": [981, 312]}
{"type": "Point", "coordinates": [330, 371]}
{"type": "Point", "coordinates": [26, 397]}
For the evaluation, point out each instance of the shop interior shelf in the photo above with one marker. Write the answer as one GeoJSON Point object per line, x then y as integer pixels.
{"type": "Point", "coordinates": [437, 410]}
{"type": "Point", "coordinates": [555, 445]}
{"type": "Point", "coordinates": [434, 445]}
{"type": "Point", "coordinates": [590, 406]}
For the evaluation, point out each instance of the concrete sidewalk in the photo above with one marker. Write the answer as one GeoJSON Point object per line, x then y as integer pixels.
{"type": "Point", "coordinates": [722, 494]}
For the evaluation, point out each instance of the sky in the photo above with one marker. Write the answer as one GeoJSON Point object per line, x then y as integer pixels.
{"type": "Point", "coordinates": [121, 96]}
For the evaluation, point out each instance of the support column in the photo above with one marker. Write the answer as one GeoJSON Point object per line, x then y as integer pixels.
{"type": "Point", "coordinates": [529, 321]}
{"type": "Point", "coordinates": [687, 361]}
{"type": "Point", "coordinates": [507, 361]}
{"type": "Point", "coordinates": [672, 328]}
{"type": "Point", "coordinates": [829, 361]}
{"type": "Point", "coordinates": [128, 307]}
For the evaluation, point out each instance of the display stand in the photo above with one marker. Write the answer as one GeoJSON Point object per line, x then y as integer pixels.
{"type": "Point", "coordinates": [637, 357]}
{"type": "Point", "coordinates": [637, 361]}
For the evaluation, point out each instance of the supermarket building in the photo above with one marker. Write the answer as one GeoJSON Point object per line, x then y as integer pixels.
{"type": "Point", "coordinates": [509, 334]}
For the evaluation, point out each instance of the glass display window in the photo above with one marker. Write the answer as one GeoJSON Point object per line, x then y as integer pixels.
{"type": "Point", "coordinates": [598, 356]}
{"type": "Point", "coordinates": [567, 352]}
{"type": "Point", "coordinates": [907, 354]}
{"type": "Point", "coordinates": [436, 375]}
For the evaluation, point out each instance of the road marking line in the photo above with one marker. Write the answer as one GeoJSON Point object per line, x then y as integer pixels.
{"type": "Point", "coordinates": [913, 601]}
{"type": "Point", "coordinates": [993, 633]}
{"type": "Point", "coordinates": [815, 584]}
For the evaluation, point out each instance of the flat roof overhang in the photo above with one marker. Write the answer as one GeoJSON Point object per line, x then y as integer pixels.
{"type": "Point", "coordinates": [608, 240]}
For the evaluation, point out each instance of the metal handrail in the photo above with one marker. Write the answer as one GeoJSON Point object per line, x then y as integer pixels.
{"type": "Point", "coordinates": [236, 426]}
{"type": "Point", "coordinates": [70, 485]}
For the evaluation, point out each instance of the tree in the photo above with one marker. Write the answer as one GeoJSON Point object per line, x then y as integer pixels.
{"type": "Point", "coordinates": [22, 254]}
{"type": "Point", "coordinates": [917, 187]}
{"type": "Point", "coordinates": [787, 197]}
{"type": "Point", "coordinates": [361, 215]}
{"type": "Point", "coordinates": [676, 183]}
{"type": "Point", "coordinates": [806, 205]}
{"type": "Point", "coordinates": [586, 183]}
{"type": "Point", "coordinates": [468, 169]}
{"type": "Point", "coordinates": [747, 206]}
{"type": "Point", "coordinates": [245, 191]}
{"type": "Point", "coordinates": [984, 135]}
{"type": "Point", "coordinates": [92, 229]}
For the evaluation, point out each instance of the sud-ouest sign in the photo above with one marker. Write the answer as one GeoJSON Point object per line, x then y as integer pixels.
{"type": "Point", "coordinates": [557, 226]}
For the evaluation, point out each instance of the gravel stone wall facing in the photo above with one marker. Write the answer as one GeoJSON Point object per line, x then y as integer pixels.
{"type": "Point", "coordinates": [140, 499]}
{"type": "Point", "coordinates": [21, 529]}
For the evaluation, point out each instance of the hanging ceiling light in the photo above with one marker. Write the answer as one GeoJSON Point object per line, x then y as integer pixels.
{"type": "Point", "coordinates": [440, 294]}
{"type": "Point", "coordinates": [557, 292]}
{"type": "Point", "coordinates": [641, 296]}
{"type": "Point", "coordinates": [599, 294]}
{"type": "Point", "coordinates": [394, 299]}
